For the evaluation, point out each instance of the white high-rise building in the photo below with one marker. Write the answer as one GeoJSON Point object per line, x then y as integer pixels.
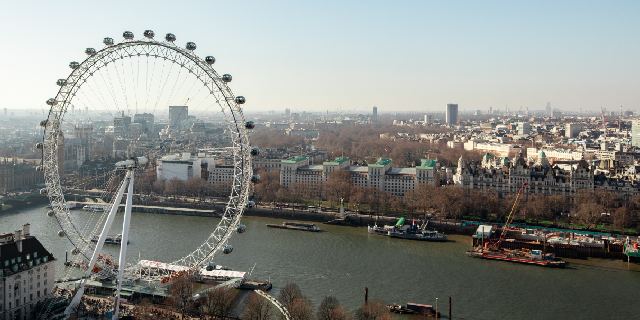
{"type": "Point", "coordinates": [452, 114]}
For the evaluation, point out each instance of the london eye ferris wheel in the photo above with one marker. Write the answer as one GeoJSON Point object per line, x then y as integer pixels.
{"type": "Point", "coordinates": [142, 77]}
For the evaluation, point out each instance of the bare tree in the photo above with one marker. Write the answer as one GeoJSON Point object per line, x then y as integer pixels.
{"type": "Point", "coordinates": [327, 306]}
{"type": "Point", "coordinates": [340, 313]}
{"type": "Point", "coordinates": [258, 308]}
{"type": "Point", "coordinates": [181, 291]}
{"type": "Point", "coordinates": [142, 311]}
{"type": "Point", "coordinates": [218, 302]}
{"type": "Point", "coordinates": [301, 309]}
{"type": "Point", "coordinates": [373, 310]}
{"type": "Point", "coordinates": [288, 293]}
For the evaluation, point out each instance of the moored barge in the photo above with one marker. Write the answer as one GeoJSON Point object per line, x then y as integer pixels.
{"type": "Point", "coordinates": [532, 257]}
{"type": "Point", "coordinates": [296, 226]}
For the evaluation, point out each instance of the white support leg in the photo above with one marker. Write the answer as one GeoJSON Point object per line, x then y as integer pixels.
{"type": "Point", "coordinates": [125, 239]}
{"type": "Point", "coordinates": [103, 236]}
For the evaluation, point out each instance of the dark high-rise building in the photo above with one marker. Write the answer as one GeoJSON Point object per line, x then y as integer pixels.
{"type": "Point", "coordinates": [177, 114]}
{"type": "Point", "coordinates": [287, 112]}
{"type": "Point", "coordinates": [548, 108]}
{"type": "Point", "coordinates": [374, 118]}
{"type": "Point", "coordinates": [452, 114]}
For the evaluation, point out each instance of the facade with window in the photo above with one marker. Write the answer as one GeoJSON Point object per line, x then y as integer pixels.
{"type": "Point", "coordinates": [26, 274]}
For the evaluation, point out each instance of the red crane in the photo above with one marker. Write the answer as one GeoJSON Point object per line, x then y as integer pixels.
{"type": "Point", "coordinates": [511, 215]}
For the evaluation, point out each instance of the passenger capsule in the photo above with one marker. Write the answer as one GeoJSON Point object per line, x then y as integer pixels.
{"type": "Point", "coordinates": [249, 204]}
{"type": "Point", "coordinates": [51, 102]}
{"type": "Point", "coordinates": [149, 34]}
{"type": "Point", "coordinates": [74, 65]}
{"type": "Point", "coordinates": [170, 37]}
{"type": "Point", "coordinates": [241, 228]}
{"type": "Point", "coordinates": [227, 250]}
{"type": "Point", "coordinates": [127, 35]}
{"type": "Point", "coordinates": [43, 123]}
{"type": "Point", "coordinates": [40, 168]}
{"type": "Point", "coordinates": [211, 266]}
{"type": "Point", "coordinates": [191, 46]}
{"type": "Point", "coordinates": [43, 191]}
{"type": "Point", "coordinates": [108, 41]}
{"type": "Point", "coordinates": [255, 151]}
{"type": "Point", "coordinates": [226, 78]}
{"type": "Point", "coordinates": [61, 82]}
{"type": "Point", "coordinates": [75, 251]}
{"type": "Point", "coordinates": [51, 213]}
{"type": "Point", "coordinates": [249, 125]}
{"type": "Point", "coordinates": [255, 178]}
{"type": "Point", "coordinates": [90, 51]}
{"type": "Point", "coordinates": [40, 145]}
{"type": "Point", "coordinates": [210, 60]}
{"type": "Point", "coordinates": [240, 100]}
{"type": "Point", "coordinates": [61, 233]}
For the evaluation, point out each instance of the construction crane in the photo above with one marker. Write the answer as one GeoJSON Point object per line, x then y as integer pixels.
{"type": "Point", "coordinates": [511, 215]}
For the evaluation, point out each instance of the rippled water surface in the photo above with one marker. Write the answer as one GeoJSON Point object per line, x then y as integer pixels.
{"type": "Point", "coordinates": [344, 260]}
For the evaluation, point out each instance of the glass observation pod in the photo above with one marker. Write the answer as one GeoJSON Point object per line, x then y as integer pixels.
{"type": "Point", "coordinates": [191, 46]}
{"type": "Point", "coordinates": [241, 228]}
{"type": "Point", "coordinates": [51, 213]}
{"type": "Point", "coordinates": [255, 178]}
{"type": "Point", "coordinates": [61, 82]}
{"type": "Point", "coordinates": [149, 34]}
{"type": "Point", "coordinates": [170, 37]}
{"type": "Point", "coordinates": [226, 78]}
{"type": "Point", "coordinates": [51, 102]}
{"type": "Point", "coordinates": [249, 125]}
{"type": "Point", "coordinates": [210, 60]}
{"type": "Point", "coordinates": [61, 233]}
{"type": "Point", "coordinates": [40, 168]}
{"type": "Point", "coordinates": [90, 51]}
{"type": "Point", "coordinates": [227, 250]}
{"type": "Point", "coordinates": [107, 41]}
{"type": "Point", "coordinates": [74, 65]}
{"type": "Point", "coordinates": [40, 145]}
{"type": "Point", "coordinates": [255, 151]}
{"type": "Point", "coordinates": [240, 100]}
{"type": "Point", "coordinates": [127, 35]}
{"type": "Point", "coordinates": [43, 123]}
{"type": "Point", "coordinates": [43, 191]}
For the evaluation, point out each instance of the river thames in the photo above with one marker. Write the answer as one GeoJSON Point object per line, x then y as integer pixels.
{"type": "Point", "coordinates": [344, 260]}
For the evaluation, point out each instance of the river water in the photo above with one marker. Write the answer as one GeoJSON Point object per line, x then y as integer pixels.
{"type": "Point", "coordinates": [344, 260]}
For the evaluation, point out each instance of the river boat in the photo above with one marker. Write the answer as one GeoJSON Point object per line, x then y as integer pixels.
{"type": "Point", "coordinates": [383, 231]}
{"type": "Point", "coordinates": [111, 239]}
{"type": "Point", "coordinates": [97, 207]}
{"type": "Point", "coordinates": [413, 232]}
{"type": "Point", "coordinates": [530, 257]}
{"type": "Point", "coordinates": [631, 249]}
{"type": "Point", "coordinates": [296, 226]}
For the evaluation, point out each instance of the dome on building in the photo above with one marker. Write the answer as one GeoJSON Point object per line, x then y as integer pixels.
{"type": "Point", "coordinates": [487, 156]}
{"type": "Point", "coordinates": [542, 154]}
{"type": "Point", "coordinates": [505, 160]}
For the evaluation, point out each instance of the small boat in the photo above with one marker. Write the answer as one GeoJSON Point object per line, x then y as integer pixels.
{"type": "Point", "coordinates": [111, 239]}
{"type": "Point", "coordinates": [296, 226]}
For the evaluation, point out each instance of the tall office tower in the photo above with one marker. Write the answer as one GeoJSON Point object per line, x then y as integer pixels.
{"type": "Point", "coordinates": [147, 122]}
{"type": "Point", "coordinates": [122, 126]}
{"type": "Point", "coordinates": [549, 108]}
{"type": "Point", "coordinates": [287, 112]}
{"type": "Point", "coordinates": [374, 118]}
{"type": "Point", "coordinates": [452, 114]}
{"type": "Point", "coordinates": [635, 134]}
{"type": "Point", "coordinates": [177, 114]}
{"type": "Point", "coordinates": [490, 110]}
{"type": "Point", "coordinates": [428, 119]}
{"type": "Point", "coordinates": [73, 109]}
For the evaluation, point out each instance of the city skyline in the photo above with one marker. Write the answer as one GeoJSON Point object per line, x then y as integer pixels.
{"type": "Point", "coordinates": [484, 55]}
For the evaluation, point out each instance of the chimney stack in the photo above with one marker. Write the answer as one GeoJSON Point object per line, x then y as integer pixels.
{"type": "Point", "coordinates": [25, 230]}
{"type": "Point", "coordinates": [18, 239]}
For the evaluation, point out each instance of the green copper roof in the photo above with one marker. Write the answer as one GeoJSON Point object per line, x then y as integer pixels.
{"type": "Point", "coordinates": [487, 155]}
{"type": "Point", "coordinates": [382, 162]}
{"type": "Point", "coordinates": [338, 161]}
{"type": "Point", "coordinates": [427, 164]}
{"type": "Point", "coordinates": [505, 160]}
{"type": "Point", "coordinates": [542, 154]}
{"type": "Point", "coordinates": [295, 160]}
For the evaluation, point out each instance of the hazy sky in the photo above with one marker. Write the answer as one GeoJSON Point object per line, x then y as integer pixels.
{"type": "Point", "coordinates": [321, 55]}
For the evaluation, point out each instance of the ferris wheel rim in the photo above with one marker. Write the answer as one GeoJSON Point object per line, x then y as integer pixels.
{"type": "Point", "coordinates": [234, 119]}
